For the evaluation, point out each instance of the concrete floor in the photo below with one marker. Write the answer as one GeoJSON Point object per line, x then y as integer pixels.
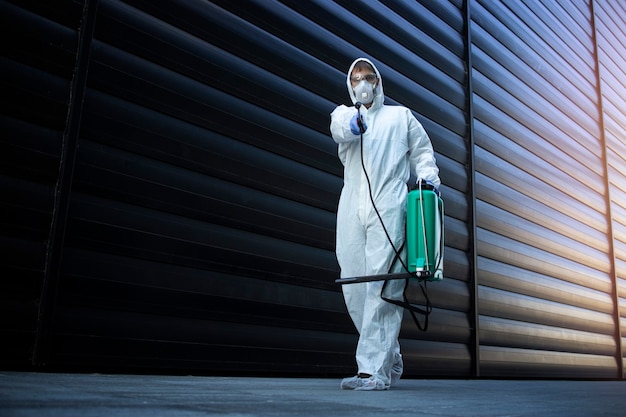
{"type": "Point", "coordinates": [84, 395]}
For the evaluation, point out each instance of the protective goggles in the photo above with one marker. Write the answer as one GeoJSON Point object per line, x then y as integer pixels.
{"type": "Point", "coordinates": [370, 78]}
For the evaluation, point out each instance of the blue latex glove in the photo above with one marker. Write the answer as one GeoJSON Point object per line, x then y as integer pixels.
{"type": "Point", "coordinates": [354, 126]}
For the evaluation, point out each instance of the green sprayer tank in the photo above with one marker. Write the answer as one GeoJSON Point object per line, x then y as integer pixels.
{"type": "Point", "coordinates": [424, 233]}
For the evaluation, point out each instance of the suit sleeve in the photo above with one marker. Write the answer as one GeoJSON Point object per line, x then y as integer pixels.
{"type": "Point", "coordinates": [421, 153]}
{"type": "Point", "coordinates": [340, 124]}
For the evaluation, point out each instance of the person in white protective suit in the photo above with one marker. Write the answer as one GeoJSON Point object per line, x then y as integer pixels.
{"type": "Point", "coordinates": [395, 145]}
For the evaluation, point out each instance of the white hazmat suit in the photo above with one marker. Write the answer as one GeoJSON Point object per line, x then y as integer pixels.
{"type": "Point", "coordinates": [395, 145]}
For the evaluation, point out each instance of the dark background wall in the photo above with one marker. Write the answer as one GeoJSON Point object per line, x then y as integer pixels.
{"type": "Point", "coordinates": [169, 185]}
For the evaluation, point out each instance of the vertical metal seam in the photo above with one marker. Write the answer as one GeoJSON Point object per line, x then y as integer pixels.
{"type": "Point", "coordinates": [475, 340]}
{"type": "Point", "coordinates": [63, 188]}
{"type": "Point", "coordinates": [607, 185]}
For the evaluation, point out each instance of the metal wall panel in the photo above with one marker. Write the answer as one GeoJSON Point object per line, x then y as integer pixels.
{"type": "Point", "coordinates": [179, 167]}
{"type": "Point", "coordinates": [611, 41]}
{"type": "Point", "coordinates": [540, 194]}
{"type": "Point", "coordinates": [38, 59]}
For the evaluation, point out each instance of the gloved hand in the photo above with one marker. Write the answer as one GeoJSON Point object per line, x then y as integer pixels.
{"type": "Point", "coordinates": [428, 182]}
{"type": "Point", "coordinates": [354, 125]}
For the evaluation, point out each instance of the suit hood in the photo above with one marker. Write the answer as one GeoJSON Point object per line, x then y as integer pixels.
{"type": "Point", "coordinates": [379, 96]}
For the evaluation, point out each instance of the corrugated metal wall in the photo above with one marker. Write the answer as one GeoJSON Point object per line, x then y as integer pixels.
{"type": "Point", "coordinates": [39, 47]}
{"type": "Point", "coordinates": [544, 268]}
{"type": "Point", "coordinates": [171, 193]}
{"type": "Point", "coordinates": [609, 24]}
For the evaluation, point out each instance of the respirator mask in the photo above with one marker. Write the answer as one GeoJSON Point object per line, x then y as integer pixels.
{"type": "Point", "coordinates": [364, 92]}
